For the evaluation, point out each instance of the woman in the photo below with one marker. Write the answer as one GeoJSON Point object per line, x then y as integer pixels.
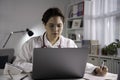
{"type": "Point", "coordinates": [53, 21]}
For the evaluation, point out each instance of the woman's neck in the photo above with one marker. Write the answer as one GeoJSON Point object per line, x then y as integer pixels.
{"type": "Point", "coordinates": [52, 40]}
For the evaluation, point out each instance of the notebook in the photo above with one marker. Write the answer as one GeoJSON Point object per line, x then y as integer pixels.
{"type": "Point", "coordinates": [59, 63]}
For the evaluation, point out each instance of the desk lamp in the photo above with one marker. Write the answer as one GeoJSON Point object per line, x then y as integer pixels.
{"type": "Point", "coordinates": [29, 32]}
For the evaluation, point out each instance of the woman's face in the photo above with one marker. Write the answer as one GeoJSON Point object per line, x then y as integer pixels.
{"type": "Point", "coordinates": [54, 27]}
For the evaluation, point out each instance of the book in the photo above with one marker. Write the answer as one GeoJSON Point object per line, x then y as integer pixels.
{"type": "Point", "coordinates": [86, 43]}
{"type": "Point", "coordinates": [94, 47]}
{"type": "Point", "coordinates": [75, 10]}
{"type": "Point", "coordinates": [70, 14]}
{"type": "Point", "coordinates": [94, 42]}
{"type": "Point", "coordinates": [80, 9]}
{"type": "Point", "coordinates": [94, 50]}
{"type": "Point", "coordinates": [69, 24]}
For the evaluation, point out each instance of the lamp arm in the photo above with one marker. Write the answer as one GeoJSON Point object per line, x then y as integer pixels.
{"type": "Point", "coordinates": [30, 33]}
{"type": "Point", "coordinates": [18, 31]}
{"type": "Point", "coordinates": [7, 40]}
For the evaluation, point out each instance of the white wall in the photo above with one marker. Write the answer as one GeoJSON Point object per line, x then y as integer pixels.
{"type": "Point", "coordinates": [16, 15]}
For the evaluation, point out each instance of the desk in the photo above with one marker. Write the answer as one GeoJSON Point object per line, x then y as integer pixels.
{"type": "Point", "coordinates": [109, 76]}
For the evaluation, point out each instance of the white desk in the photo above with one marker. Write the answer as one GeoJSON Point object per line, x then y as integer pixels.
{"type": "Point", "coordinates": [109, 76]}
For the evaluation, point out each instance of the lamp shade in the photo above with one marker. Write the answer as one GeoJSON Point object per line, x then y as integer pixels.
{"type": "Point", "coordinates": [30, 33]}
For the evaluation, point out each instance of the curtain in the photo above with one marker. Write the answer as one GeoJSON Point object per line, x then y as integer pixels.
{"type": "Point", "coordinates": [100, 21]}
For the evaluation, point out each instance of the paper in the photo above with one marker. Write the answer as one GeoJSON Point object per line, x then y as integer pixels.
{"type": "Point", "coordinates": [13, 70]}
{"type": "Point", "coordinates": [108, 76]}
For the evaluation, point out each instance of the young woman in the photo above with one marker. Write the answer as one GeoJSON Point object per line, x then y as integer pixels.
{"type": "Point", "coordinates": [53, 21]}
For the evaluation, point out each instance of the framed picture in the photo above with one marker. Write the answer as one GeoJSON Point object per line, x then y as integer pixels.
{"type": "Point", "coordinates": [76, 23]}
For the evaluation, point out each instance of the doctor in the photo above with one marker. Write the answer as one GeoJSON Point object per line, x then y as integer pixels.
{"type": "Point", "coordinates": [53, 21]}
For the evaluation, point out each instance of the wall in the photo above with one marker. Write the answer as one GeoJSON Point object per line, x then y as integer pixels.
{"type": "Point", "coordinates": [16, 15]}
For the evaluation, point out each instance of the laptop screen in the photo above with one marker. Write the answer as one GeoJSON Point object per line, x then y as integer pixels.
{"type": "Point", "coordinates": [7, 52]}
{"type": "Point", "coordinates": [59, 63]}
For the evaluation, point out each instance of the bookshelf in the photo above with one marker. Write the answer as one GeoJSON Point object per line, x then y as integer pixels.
{"type": "Point", "coordinates": [95, 57]}
{"type": "Point", "coordinates": [74, 22]}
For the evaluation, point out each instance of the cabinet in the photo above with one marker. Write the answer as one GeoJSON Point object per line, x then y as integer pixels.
{"type": "Point", "coordinates": [108, 62]}
{"type": "Point", "coordinates": [113, 63]}
{"type": "Point", "coordinates": [75, 27]}
{"type": "Point", "coordinates": [94, 60]}
{"type": "Point", "coordinates": [116, 65]}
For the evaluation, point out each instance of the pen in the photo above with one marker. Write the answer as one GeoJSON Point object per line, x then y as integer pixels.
{"type": "Point", "coordinates": [24, 77]}
{"type": "Point", "coordinates": [102, 64]}
{"type": "Point", "coordinates": [10, 74]}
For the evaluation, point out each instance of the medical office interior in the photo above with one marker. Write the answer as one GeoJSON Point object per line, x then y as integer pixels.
{"type": "Point", "coordinates": [90, 23]}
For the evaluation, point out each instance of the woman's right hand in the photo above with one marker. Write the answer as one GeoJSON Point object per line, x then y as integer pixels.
{"type": "Point", "coordinates": [100, 71]}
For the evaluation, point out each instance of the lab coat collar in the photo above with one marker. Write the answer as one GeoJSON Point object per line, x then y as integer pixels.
{"type": "Point", "coordinates": [48, 44]}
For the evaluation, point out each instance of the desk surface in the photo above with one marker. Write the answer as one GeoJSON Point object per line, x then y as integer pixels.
{"type": "Point", "coordinates": [109, 76]}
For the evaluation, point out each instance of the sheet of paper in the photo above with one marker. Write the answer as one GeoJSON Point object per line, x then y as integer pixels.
{"type": "Point", "coordinates": [108, 76]}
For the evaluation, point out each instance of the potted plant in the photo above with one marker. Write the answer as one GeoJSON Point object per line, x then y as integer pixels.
{"type": "Point", "coordinates": [111, 49]}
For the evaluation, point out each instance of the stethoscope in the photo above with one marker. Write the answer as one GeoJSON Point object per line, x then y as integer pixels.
{"type": "Point", "coordinates": [44, 46]}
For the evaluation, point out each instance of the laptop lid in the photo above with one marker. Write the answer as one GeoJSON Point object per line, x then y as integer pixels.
{"type": "Point", "coordinates": [59, 63]}
{"type": "Point", "coordinates": [7, 52]}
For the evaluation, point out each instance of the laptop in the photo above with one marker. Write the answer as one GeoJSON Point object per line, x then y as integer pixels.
{"type": "Point", "coordinates": [7, 52]}
{"type": "Point", "coordinates": [59, 63]}
{"type": "Point", "coordinates": [6, 55]}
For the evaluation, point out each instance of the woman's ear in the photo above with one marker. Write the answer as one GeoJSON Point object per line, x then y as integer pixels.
{"type": "Point", "coordinates": [44, 24]}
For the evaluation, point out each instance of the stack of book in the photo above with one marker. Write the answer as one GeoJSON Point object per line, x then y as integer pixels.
{"type": "Point", "coordinates": [94, 47]}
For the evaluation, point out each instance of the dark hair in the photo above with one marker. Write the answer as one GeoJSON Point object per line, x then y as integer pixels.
{"type": "Point", "coordinates": [51, 12]}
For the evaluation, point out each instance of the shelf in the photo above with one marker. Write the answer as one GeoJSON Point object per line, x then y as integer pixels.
{"type": "Point", "coordinates": [103, 56]}
{"type": "Point", "coordinates": [72, 29]}
{"type": "Point", "coordinates": [74, 22]}
{"type": "Point", "coordinates": [77, 41]}
{"type": "Point", "coordinates": [72, 18]}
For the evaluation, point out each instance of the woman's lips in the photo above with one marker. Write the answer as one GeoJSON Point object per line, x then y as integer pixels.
{"type": "Point", "coordinates": [55, 33]}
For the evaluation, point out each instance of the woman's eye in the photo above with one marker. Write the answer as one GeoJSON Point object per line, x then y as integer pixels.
{"type": "Point", "coordinates": [59, 25]}
{"type": "Point", "coordinates": [51, 26]}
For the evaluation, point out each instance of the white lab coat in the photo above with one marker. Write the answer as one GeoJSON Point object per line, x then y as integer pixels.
{"type": "Point", "coordinates": [24, 59]}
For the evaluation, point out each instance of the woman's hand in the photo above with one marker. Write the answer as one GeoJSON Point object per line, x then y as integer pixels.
{"type": "Point", "coordinates": [100, 71]}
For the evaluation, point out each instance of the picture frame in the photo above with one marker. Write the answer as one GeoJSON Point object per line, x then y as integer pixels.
{"type": "Point", "coordinates": [76, 24]}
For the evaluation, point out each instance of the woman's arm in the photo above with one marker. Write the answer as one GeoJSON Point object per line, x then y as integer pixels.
{"type": "Point", "coordinates": [24, 65]}
{"type": "Point", "coordinates": [24, 58]}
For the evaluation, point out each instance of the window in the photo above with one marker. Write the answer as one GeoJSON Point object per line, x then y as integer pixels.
{"type": "Point", "coordinates": [100, 20]}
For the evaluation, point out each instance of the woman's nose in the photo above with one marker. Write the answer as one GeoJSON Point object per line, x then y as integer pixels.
{"type": "Point", "coordinates": [55, 28]}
